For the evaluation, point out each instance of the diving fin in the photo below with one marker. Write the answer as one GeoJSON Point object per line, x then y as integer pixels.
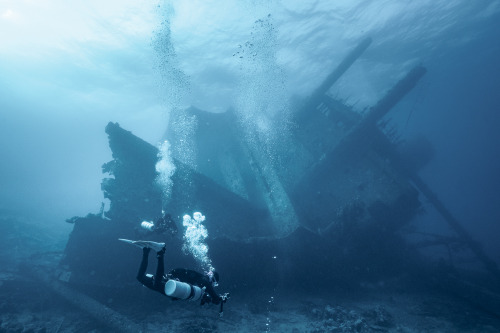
{"type": "Point", "coordinates": [142, 244]}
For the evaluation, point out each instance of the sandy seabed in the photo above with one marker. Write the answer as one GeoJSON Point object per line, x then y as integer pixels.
{"type": "Point", "coordinates": [26, 305]}
{"type": "Point", "coordinates": [29, 304]}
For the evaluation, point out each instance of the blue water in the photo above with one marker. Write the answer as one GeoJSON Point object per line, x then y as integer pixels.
{"type": "Point", "coordinates": [66, 70]}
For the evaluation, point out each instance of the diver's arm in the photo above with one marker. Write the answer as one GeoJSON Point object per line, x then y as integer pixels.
{"type": "Point", "coordinates": [210, 291]}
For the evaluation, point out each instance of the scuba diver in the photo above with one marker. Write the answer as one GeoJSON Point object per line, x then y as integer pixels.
{"type": "Point", "coordinates": [163, 225]}
{"type": "Point", "coordinates": [179, 283]}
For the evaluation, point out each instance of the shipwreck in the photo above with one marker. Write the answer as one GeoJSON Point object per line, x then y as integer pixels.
{"type": "Point", "coordinates": [340, 209]}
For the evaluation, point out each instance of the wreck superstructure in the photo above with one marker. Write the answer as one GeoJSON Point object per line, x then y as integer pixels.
{"type": "Point", "coordinates": [342, 184]}
{"type": "Point", "coordinates": [331, 162]}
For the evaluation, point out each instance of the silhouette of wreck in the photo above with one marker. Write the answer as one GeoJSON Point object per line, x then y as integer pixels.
{"type": "Point", "coordinates": [337, 204]}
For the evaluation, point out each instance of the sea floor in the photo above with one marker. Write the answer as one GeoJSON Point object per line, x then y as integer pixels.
{"type": "Point", "coordinates": [27, 305]}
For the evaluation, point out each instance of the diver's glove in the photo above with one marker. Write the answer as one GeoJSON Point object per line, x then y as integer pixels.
{"type": "Point", "coordinates": [224, 297]}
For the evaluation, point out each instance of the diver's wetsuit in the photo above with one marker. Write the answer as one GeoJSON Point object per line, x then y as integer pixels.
{"type": "Point", "coordinates": [158, 281]}
{"type": "Point", "coordinates": [165, 225]}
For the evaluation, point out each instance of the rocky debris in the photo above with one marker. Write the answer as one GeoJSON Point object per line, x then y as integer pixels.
{"type": "Point", "coordinates": [338, 319]}
{"type": "Point", "coordinates": [379, 318]}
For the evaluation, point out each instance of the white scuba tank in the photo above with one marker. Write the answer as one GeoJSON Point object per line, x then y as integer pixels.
{"type": "Point", "coordinates": [183, 290]}
{"type": "Point", "coordinates": [147, 225]}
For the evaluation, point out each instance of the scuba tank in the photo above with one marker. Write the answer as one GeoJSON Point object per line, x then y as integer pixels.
{"type": "Point", "coordinates": [147, 225]}
{"type": "Point", "coordinates": [183, 290]}
{"type": "Point", "coordinates": [164, 225]}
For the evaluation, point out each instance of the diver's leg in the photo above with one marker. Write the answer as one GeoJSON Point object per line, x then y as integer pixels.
{"type": "Point", "coordinates": [141, 274]}
{"type": "Point", "coordinates": [160, 268]}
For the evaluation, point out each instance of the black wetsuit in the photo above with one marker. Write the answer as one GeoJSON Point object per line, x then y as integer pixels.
{"type": "Point", "coordinates": [157, 282]}
{"type": "Point", "coordinates": [165, 225]}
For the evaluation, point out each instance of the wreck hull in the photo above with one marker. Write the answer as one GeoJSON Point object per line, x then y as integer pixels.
{"type": "Point", "coordinates": [330, 208]}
